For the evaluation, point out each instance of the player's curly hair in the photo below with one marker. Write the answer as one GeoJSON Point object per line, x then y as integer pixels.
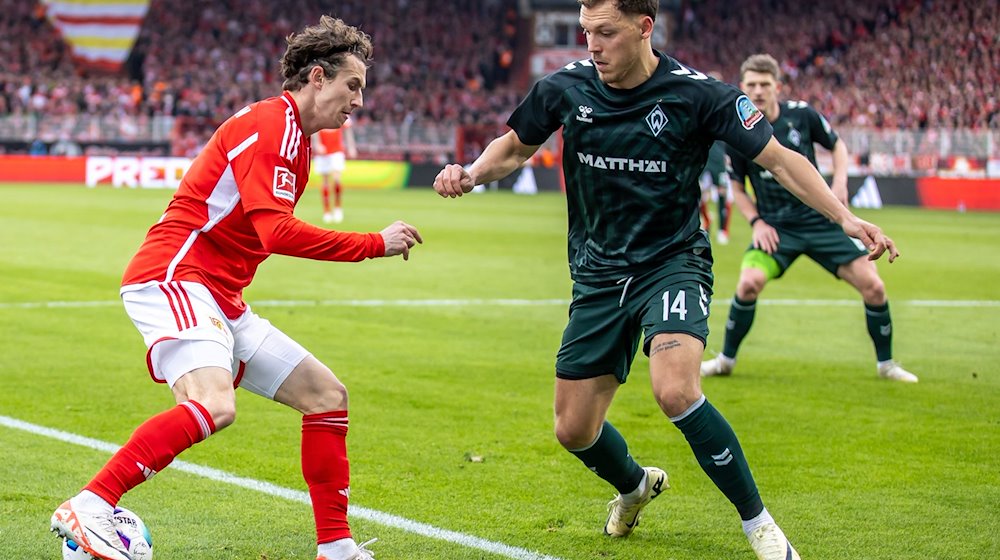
{"type": "Point", "coordinates": [631, 7]}
{"type": "Point", "coordinates": [326, 44]}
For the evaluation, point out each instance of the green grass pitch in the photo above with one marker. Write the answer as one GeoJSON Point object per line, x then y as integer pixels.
{"type": "Point", "coordinates": [852, 467]}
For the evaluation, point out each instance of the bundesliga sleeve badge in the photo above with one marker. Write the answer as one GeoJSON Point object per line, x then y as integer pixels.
{"type": "Point", "coordinates": [747, 112]}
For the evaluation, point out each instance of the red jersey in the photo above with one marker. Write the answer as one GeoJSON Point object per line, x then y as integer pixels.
{"type": "Point", "coordinates": [333, 138]}
{"type": "Point", "coordinates": [234, 208]}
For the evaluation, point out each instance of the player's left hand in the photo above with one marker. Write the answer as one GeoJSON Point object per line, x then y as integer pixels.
{"type": "Point", "coordinates": [872, 236]}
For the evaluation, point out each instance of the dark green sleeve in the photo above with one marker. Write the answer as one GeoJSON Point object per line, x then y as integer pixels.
{"type": "Point", "coordinates": [820, 129]}
{"type": "Point", "coordinates": [733, 118]}
{"type": "Point", "coordinates": [537, 116]}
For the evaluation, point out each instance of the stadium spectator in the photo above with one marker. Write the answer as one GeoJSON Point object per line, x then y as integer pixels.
{"type": "Point", "coordinates": [784, 228]}
{"type": "Point", "coordinates": [183, 290]}
{"type": "Point", "coordinates": [638, 258]}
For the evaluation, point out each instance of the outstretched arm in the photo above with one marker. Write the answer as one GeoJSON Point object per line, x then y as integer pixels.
{"type": "Point", "coordinates": [796, 174]}
{"type": "Point", "coordinates": [500, 158]}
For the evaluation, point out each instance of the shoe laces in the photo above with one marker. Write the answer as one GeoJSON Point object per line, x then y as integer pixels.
{"type": "Point", "coordinates": [363, 552]}
{"type": "Point", "coordinates": [769, 539]}
{"type": "Point", "coordinates": [621, 510]}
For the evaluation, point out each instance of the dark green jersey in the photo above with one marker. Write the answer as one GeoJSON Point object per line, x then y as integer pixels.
{"type": "Point", "coordinates": [797, 127]}
{"type": "Point", "coordinates": [716, 159]}
{"type": "Point", "coordinates": [632, 158]}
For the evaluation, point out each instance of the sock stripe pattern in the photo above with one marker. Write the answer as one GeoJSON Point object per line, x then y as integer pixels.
{"type": "Point", "coordinates": [153, 446]}
{"type": "Point", "coordinates": [719, 453]}
{"type": "Point", "coordinates": [326, 471]}
{"type": "Point", "coordinates": [201, 416]}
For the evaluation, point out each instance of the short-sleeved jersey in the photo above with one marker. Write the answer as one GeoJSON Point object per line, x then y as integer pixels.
{"type": "Point", "coordinates": [333, 138]}
{"type": "Point", "coordinates": [256, 164]}
{"type": "Point", "coordinates": [797, 127]}
{"type": "Point", "coordinates": [632, 159]}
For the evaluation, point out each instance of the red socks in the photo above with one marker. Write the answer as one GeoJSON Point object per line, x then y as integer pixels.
{"type": "Point", "coordinates": [152, 447]}
{"type": "Point", "coordinates": [327, 472]}
{"type": "Point", "coordinates": [325, 195]}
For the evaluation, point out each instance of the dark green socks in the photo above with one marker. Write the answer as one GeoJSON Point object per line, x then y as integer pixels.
{"type": "Point", "coordinates": [880, 329]}
{"type": "Point", "coordinates": [719, 453]}
{"type": "Point", "coordinates": [740, 319]}
{"type": "Point", "coordinates": [608, 457]}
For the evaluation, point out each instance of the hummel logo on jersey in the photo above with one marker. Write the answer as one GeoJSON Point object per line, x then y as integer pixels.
{"type": "Point", "coordinates": [284, 183]}
{"type": "Point", "coordinates": [723, 459]}
{"type": "Point", "coordinates": [146, 471]}
{"type": "Point", "coordinates": [623, 164]}
{"type": "Point", "coordinates": [656, 119]}
{"type": "Point", "coordinates": [585, 114]}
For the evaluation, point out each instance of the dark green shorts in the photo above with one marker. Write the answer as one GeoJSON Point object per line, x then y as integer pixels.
{"type": "Point", "coordinates": [606, 322]}
{"type": "Point", "coordinates": [827, 244]}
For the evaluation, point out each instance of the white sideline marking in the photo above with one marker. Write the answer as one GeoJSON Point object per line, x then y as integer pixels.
{"type": "Point", "coordinates": [503, 303]}
{"type": "Point", "coordinates": [359, 512]}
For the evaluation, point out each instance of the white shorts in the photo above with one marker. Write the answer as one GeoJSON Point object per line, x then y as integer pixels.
{"type": "Point", "coordinates": [184, 329]}
{"type": "Point", "coordinates": [328, 163]}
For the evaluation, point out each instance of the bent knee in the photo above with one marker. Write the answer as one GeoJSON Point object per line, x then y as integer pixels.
{"type": "Point", "coordinates": [574, 437]}
{"type": "Point", "coordinates": [873, 292]}
{"type": "Point", "coordinates": [674, 400]}
{"type": "Point", "coordinates": [751, 284]}
{"type": "Point", "coordinates": [330, 398]}
{"type": "Point", "coordinates": [325, 394]}
{"type": "Point", "coordinates": [221, 409]}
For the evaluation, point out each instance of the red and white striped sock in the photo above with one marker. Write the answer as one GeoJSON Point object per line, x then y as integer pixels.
{"type": "Point", "coordinates": [327, 472]}
{"type": "Point", "coordinates": [152, 447]}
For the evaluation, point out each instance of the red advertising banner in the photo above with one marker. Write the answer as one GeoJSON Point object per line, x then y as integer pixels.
{"type": "Point", "coordinates": [965, 194]}
{"type": "Point", "coordinates": [42, 169]}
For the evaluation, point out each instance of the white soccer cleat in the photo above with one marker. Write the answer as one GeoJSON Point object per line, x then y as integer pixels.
{"type": "Point", "coordinates": [338, 215]}
{"type": "Point", "coordinates": [895, 372]}
{"type": "Point", "coordinates": [623, 517]}
{"type": "Point", "coordinates": [722, 237]}
{"type": "Point", "coordinates": [328, 217]}
{"type": "Point", "coordinates": [717, 366]}
{"type": "Point", "coordinates": [769, 543]}
{"type": "Point", "coordinates": [92, 531]}
{"type": "Point", "coordinates": [361, 554]}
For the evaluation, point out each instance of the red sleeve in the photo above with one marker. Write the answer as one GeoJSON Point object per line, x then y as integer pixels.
{"type": "Point", "coordinates": [283, 234]}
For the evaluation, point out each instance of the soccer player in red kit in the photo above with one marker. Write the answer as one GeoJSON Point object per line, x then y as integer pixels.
{"type": "Point", "coordinates": [183, 290]}
{"type": "Point", "coordinates": [330, 160]}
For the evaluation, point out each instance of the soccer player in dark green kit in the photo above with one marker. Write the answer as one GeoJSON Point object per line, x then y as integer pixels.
{"type": "Point", "coordinates": [637, 128]}
{"type": "Point", "coordinates": [784, 228]}
{"type": "Point", "coordinates": [715, 177]}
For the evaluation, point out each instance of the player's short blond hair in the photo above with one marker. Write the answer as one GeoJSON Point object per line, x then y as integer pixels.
{"type": "Point", "coordinates": [762, 63]}
{"type": "Point", "coordinates": [326, 44]}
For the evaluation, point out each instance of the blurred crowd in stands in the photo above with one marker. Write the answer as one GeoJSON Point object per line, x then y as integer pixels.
{"type": "Point", "coordinates": [910, 64]}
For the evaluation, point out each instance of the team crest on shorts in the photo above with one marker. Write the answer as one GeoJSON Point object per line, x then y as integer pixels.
{"type": "Point", "coordinates": [284, 183]}
{"type": "Point", "coordinates": [748, 113]}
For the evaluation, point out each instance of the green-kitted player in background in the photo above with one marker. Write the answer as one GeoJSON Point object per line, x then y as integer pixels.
{"type": "Point", "coordinates": [715, 177]}
{"type": "Point", "coordinates": [784, 228]}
